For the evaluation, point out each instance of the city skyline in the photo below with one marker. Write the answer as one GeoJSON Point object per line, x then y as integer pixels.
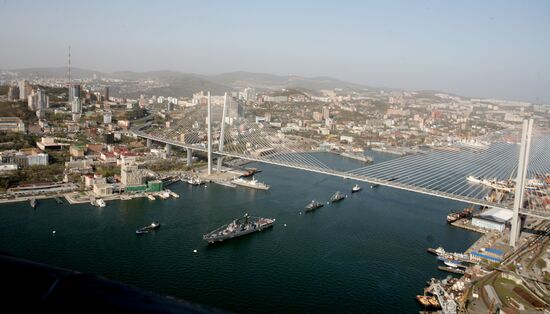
{"type": "Point", "coordinates": [493, 49]}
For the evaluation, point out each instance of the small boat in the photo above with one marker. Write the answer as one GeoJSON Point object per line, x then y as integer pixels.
{"type": "Point", "coordinates": [356, 188]}
{"type": "Point", "coordinates": [164, 195]}
{"type": "Point", "coordinates": [153, 226]}
{"type": "Point", "coordinates": [100, 203]}
{"type": "Point", "coordinates": [337, 197]}
{"type": "Point", "coordinates": [250, 172]}
{"type": "Point", "coordinates": [151, 197]}
{"type": "Point", "coordinates": [312, 206]}
{"type": "Point", "coordinates": [453, 270]}
{"type": "Point", "coordinates": [439, 251]}
{"type": "Point", "coordinates": [174, 194]}
{"type": "Point", "coordinates": [452, 263]}
{"type": "Point", "coordinates": [372, 186]}
{"type": "Point", "coordinates": [58, 200]}
{"type": "Point", "coordinates": [195, 181]}
{"type": "Point", "coordinates": [33, 202]}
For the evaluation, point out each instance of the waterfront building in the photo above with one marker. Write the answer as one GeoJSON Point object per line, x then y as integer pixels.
{"type": "Point", "coordinates": [493, 219]}
{"type": "Point", "coordinates": [131, 175]}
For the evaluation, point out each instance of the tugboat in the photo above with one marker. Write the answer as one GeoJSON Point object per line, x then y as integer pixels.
{"type": "Point", "coordinates": [153, 226]}
{"type": "Point", "coordinates": [238, 227]}
{"type": "Point", "coordinates": [250, 172]}
{"type": "Point", "coordinates": [33, 202]}
{"type": "Point", "coordinates": [356, 188]}
{"type": "Point", "coordinates": [312, 206]}
{"type": "Point", "coordinates": [337, 197]}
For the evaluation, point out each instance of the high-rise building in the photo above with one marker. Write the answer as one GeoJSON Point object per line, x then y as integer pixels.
{"type": "Point", "coordinates": [74, 92]}
{"type": "Point", "coordinates": [249, 94]}
{"type": "Point", "coordinates": [130, 175]}
{"type": "Point", "coordinates": [76, 109]}
{"type": "Point", "coordinates": [326, 113]}
{"type": "Point", "coordinates": [32, 101]}
{"type": "Point", "coordinates": [24, 89]}
{"type": "Point", "coordinates": [234, 108]}
{"type": "Point", "coordinates": [107, 117]}
{"type": "Point", "coordinates": [105, 93]}
{"type": "Point", "coordinates": [13, 93]}
{"type": "Point", "coordinates": [76, 106]}
{"type": "Point", "coordinates": [42, 99]}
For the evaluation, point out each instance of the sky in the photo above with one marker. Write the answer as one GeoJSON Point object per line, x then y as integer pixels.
{"type": "Point", "coordinates": [498, 49]}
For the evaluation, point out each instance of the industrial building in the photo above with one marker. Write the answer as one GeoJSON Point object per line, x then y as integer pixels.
{"type": "Point", "coordinates": [493, 219]}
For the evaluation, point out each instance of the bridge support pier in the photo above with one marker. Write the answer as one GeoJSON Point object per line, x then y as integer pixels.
{"type": "Point", "coordinates": [168, 149]}
{"type": "Point", "coordinates": [520, 180]}
{"type": "Point", "coordinates": [189, 156]}
{"type": "Point", "coordinates": [149, 142]}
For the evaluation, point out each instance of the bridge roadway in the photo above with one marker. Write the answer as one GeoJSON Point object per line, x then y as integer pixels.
{"type": "Point", "coordinates": [346, 175]}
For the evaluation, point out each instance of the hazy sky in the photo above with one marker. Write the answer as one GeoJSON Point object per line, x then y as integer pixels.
{"type": "Point", "coordinates": [473, 48]}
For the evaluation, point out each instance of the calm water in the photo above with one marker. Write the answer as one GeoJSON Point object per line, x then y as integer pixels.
{"type": "Point", "coordinates": [366, 253]}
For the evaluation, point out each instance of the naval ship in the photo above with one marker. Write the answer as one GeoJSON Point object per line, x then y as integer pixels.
{"type": "Point", "coordinates": [255, 184]}
{"type": "Point", "coordinates": [337, 197]}
{"type": "Point", "coordinates": [238, 227]}
{"type": "Point", "coordinates": [312, 206]}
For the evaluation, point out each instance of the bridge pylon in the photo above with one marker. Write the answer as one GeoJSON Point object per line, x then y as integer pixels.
{"type": "Point", "coordinates": [520, 180]}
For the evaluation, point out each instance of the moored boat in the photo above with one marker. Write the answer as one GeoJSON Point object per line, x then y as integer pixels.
{"type": "Point", "coordinates": [255, 184]}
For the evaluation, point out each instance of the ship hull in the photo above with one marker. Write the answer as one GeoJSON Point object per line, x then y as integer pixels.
{"type": "Point", "coordinates": [236, 235]}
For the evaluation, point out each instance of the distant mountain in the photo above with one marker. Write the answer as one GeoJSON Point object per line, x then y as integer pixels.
{"type": "Point", "coordinates": [269, 81]}
{"type": "Point", "coordinates": [184, 84]}
{"type": "Point", "coordinates": [54, 72]}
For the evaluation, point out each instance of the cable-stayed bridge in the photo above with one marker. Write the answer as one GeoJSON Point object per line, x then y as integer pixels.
{"type": "Point", "coordinates": [479, 171]}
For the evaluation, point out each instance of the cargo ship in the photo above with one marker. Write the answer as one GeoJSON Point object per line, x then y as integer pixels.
{"type": "Point", "coordinates": [238, 227]}
{"type": "Point", "coordinates": [312, 206]}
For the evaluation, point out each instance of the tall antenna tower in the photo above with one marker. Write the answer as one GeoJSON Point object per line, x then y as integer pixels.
{"type": "Point", "coordinates": [69, 82]}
